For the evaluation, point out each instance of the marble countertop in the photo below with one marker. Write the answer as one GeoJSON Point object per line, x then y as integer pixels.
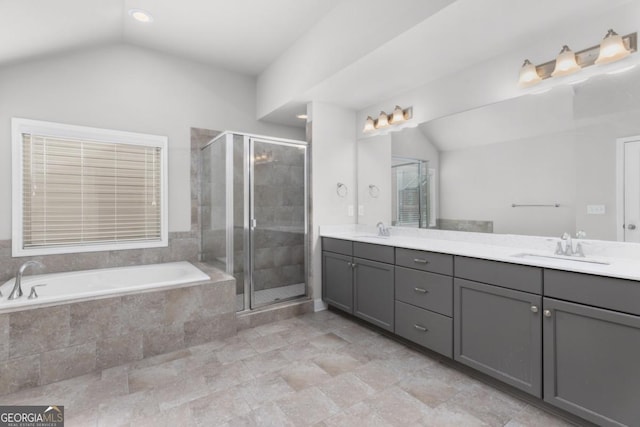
{"type": "Point", "coordinates": [510, 249]}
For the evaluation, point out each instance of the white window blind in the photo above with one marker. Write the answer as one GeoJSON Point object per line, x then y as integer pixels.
{"type": "Point", "coordinates": [79, 193]}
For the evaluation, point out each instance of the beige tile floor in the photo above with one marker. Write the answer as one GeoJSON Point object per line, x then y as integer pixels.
{"type": "Point", "coordinates": [320, 369]}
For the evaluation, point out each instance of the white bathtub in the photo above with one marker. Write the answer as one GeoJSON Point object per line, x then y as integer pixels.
{"type": "Point", "coordinates": [85, 285]}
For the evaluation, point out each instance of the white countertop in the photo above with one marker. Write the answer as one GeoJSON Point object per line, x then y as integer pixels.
{"type": "Point", "coordinates": [499, 248]}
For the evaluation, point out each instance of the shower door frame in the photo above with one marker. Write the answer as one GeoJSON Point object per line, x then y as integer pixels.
{"type": "Point", "coordinates": [250, 220]}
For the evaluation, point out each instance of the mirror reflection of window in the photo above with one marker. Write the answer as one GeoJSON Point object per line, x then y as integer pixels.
{"type": "Point", "coordinates": [413, 197]}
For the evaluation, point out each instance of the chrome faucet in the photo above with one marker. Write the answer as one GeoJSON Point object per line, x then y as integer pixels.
{"type": "Point", "coordinates": [568, 247]}
{"type": "Point", "coordinates": [382, 230]}
{"type": "Point", "coordinates": [17, 289]}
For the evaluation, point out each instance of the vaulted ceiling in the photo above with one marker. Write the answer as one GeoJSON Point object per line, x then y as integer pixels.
{"type": "Point", "coordinates": [354, 52]}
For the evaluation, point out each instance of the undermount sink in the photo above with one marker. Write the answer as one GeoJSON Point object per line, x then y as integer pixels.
{"type": "Point", "coordinates": [560, 258]}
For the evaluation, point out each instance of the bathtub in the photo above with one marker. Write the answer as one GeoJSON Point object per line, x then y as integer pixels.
{"type": "Point", "coordinates": [86, 285]}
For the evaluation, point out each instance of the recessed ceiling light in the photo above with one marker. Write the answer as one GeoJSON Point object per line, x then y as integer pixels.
{"type": "Point", "coordinates": [141, 15]}
{"type": "Point", "coordinates": [302, 116]}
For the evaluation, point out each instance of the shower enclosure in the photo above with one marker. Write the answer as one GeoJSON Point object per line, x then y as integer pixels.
{"type": "Point", "coordinates": [254, 215]}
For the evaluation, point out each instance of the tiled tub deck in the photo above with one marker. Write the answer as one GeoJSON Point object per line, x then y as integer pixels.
{"type": "Point", "coordinates": [44, 345]}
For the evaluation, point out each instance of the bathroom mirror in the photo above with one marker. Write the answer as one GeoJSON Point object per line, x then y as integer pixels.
{"type": "Point", "coordinates": [534, 165]}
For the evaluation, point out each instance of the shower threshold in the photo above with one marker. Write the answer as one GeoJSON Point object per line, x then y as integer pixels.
{"type": "Point", "coordinates": [274, 295]}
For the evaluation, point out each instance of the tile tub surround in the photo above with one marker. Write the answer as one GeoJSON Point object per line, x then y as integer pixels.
{"type": "Point", "coordinates": [622, 257]}
{"type": "Point", "coordinates": [43, 345]}
{"type": "Point", "coordinates": [319, 369]}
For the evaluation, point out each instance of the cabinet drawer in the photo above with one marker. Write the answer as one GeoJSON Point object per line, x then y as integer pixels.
{"type": "Point", "coordinates": [512, 276]}
{"type": "Point", "coordinates": [431, 330]}
{"type": "Point", "coordinates": [339, 246]}
{"type": "Point", "coordinates": [606, 292]}
{"type": "Point", "coordinates": [426, 290]}
{"type": "Point", "coordinates": [373, 252]}
{"type": "Point", "coordinates": [427, 261]}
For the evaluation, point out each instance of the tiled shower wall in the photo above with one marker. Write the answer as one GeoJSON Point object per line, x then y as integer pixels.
{"type": "Point", "coordinates": [183, 246]}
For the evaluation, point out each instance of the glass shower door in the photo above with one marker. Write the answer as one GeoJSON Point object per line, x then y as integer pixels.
{"type": "Point", "coordinates": [279, 221]}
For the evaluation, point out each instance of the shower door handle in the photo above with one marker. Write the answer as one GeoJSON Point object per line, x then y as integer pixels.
{"type": "Point", "coordinates": [253, 223]}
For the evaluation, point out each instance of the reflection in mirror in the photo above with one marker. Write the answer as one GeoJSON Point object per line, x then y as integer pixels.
{"type": "Point", "coordinates": [412, 197]}
{"type": "Point", "coordinates": [560, 148]}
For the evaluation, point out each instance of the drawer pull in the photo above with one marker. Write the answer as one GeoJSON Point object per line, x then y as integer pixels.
{"type": "Point", "coordinates": [420, 328]}
{"type": "Point", "coordinates": [420, 261]}
{"type": "Point", "coordinates": [420, 290]}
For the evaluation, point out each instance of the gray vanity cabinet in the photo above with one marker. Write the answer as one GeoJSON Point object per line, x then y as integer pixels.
{"type": "Point", "coordinates": [373, 285]}
{"type": "Point", "coordinates": [359, 279]}
{"type": "Point", "coordinates": [592, 362]}
{"type": "Point", "coordinates": [337, 280]}
{"type": "Point", "coordinates": [498, 331]}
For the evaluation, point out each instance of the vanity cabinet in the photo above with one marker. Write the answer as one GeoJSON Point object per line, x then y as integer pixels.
{"type": "Point", "coordinates": [359, 278]}
{"type": "Point", "coordinates": [591, 328]}
{"type": "Point", "coordinates": [498, 325]}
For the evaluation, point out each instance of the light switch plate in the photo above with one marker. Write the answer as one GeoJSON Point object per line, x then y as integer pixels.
{"type": "Point", "coordinates": [361, 210]}
{"type": "Point", "coordinates": [596, 209]}
{"type": "Point", "coordinates": [350, 210]}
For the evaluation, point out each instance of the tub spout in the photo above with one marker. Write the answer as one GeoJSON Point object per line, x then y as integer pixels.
{"type": "Point", "coordinates": [17, 289]}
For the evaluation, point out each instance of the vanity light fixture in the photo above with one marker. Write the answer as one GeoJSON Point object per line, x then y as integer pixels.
{"type": "Point", "coordinates": [612, 48]}
{"type": "Point", "coordinates": [397, 118]}
{"type": "Point", "coordinates": [565, 63]}
{"type": "Point", "coordinates": [141, 15]}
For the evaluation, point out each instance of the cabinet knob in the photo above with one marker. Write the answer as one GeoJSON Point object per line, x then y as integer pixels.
{"type": "Point", "coordinates": [534, 309]}
{"type": "Point", "coordinates": [420, 290]}
{"type": "Point", "coordinates": [420, 328]}
{"type": "Point", "coordinates": [547, 313]}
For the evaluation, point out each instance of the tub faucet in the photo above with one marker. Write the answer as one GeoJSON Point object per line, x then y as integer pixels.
{"type": "Point", "coordinates": [17, 289]}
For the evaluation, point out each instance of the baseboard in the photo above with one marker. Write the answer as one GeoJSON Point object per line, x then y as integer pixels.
{"type": "Point", "coordinates": [319, 305]}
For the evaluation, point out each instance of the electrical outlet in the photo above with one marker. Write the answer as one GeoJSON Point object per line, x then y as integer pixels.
{"type": "Point", "coordinates": [350, 210]}
{"type": "Point", "coordinates": [361, 210]}
{"type": "Point", "coordinates": [596, 209]}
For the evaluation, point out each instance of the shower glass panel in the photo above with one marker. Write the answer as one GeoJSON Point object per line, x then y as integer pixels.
{"type": "Point", "coordinates": [254, 216]}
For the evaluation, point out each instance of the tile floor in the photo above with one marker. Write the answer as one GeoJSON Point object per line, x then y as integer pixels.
{"type": "Point", "coordinates": [320, 369]}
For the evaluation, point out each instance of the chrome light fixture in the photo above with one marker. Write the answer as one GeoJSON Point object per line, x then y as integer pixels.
{"type": "Point", "coordinates": [528, 74]}
{"type": "Point", "coordinates": [612, 48]}
{"type": "Point", "coordinates": [565, 63]}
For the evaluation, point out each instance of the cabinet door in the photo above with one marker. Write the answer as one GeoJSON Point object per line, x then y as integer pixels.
{"type": "Point", "coordinates": [498, 331]}
{"type": "Point", "coordinates": [591, 362]}
{"type": "Point", "coordinates": [373, 292]}
{"type": "Point", "coordinates": [337, 280]}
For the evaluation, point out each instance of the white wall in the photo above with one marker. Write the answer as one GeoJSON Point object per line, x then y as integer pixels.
{"type": "Point", "coordinates": [128, 88]}
{"type": "Point", "coordinates": [333, 155]}
{"type": "Point", "coordinates": [374, 168]}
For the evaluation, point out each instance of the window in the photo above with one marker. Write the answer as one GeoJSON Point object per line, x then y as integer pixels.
{"type": "Point", "coordinates": [79, 189]}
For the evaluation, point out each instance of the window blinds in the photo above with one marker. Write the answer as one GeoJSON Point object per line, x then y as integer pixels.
{"type": "Point", "coordinates": [79, 192]}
